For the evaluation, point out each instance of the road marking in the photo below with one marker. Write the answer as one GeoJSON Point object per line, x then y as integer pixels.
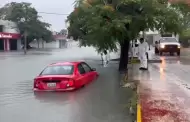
{"type": "Point", "coordinates": [139, 117]}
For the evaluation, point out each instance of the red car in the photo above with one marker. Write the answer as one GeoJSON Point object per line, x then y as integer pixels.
{"type": "Point", "coordinates": [64, 76]}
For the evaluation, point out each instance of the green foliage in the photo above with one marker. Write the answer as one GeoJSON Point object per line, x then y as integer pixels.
{"type": "Point", "coordinates": [27, 19]}
{"type": "Point", "coordinates": [103, 25]}
{"type": "Point", "coordinates": [63, 31]}
{"type": "Point", "coordinates": [184, 10]}
{"type": "Point", "coordinates": [186, 33]}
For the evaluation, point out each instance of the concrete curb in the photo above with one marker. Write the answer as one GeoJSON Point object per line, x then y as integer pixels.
{"type": "Point", "coordinates": [149, 61]}
{"type": "Point", "coordinates": [136, 61]}
{"type": "Point", "coordinates": [139, 117]}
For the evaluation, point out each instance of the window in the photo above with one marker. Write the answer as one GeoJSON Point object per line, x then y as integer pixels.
{"type": "Point", "coordinates": [58, 70]}
{"type": "Point", "coordinates": [81, 69]}
{"type": "Point", "coordinates": [86, 67]}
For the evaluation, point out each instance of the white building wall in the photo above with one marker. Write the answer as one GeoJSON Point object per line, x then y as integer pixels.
{"type": "Point", "coordinates": [9, 27]}
{"type": "Point", "coordinates": [157, 36]}
{"type": "Point", "coordinates": [19, 45]}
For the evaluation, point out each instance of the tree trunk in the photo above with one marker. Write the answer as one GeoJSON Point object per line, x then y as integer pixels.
{"type": "Point", "coordinates": [42, 43]}
{"type": "Point", "coordinates": [38, 43]}
{"type": "Point", "coordinates": [124, 55]}
{"type": "Point", "coordinates": [25, 42]}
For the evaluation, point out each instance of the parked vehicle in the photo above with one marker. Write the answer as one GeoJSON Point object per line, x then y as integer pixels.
{"type": "Point", "coordinates": [64, 76]}
{"type": "Point", "coordinates": [167, 44]}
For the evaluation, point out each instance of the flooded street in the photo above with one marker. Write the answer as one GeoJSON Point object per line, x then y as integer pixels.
{"type": "Point", "coordinates": [101, 101]}
{"type": "Point", "coordinates": [165, 91]}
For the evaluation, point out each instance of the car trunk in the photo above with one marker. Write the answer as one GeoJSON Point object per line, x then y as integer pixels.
{"type": "Point", "coordinates": [53, 82]}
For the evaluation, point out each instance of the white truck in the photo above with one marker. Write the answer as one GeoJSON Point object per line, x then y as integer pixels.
{"type": "Point", "coordinates": [167, 44]}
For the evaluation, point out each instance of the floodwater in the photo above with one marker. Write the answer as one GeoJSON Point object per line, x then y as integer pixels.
{"type": "Point", "coordinates": [101, 101]}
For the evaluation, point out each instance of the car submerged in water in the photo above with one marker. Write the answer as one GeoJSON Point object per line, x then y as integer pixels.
{"type": "Point", "coordinates": [167, 44]}
{"type": "Point", "coordinates": [65, 76]}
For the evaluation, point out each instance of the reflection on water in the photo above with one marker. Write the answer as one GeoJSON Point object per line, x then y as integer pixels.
{"type": "Point", "coordinates": [162, 67]}
{"type": "Point", "coordinates": [20, 92]}
{"type": "Point", "coordinates": [145, 75]}
{"type": "Point", "coordinates": [184, 60]}
{"type": "Point", "coordinates": [55, 97]}
{"type": "Point", "coordinates": [162, 74]}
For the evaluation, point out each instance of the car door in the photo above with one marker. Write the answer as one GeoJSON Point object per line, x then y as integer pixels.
{"type": "Point", "coordinates": [88, 71]}
{"type": "Point", "coordinates": [83, 77]}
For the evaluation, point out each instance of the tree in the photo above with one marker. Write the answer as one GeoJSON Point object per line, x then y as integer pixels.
{"type": "Point", "coordinates": [63, 32]}
{"type": "Point", "coordinates": [106, 23]}
{"type": "Point", "coordinates": [183, 9]}
{"type": "Point", "coordinates": [27, 19]}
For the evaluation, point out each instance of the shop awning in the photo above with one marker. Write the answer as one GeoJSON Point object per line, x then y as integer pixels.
{"type": "Point", "coordinates": [9, 35]}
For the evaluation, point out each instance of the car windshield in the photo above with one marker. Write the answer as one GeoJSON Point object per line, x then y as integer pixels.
{"type": "Point", "coordinates": [58, 70]}
{"type": "Point", "coordinates": [168, 40]}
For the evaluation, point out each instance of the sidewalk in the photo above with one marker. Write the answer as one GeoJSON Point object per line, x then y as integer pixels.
{"type": "Point", "coordinates": [161, 98]}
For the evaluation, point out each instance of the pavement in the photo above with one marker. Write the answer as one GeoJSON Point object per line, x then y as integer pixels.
{"type": "Point", "coordinates": [101, 101]}
{"type": "Point", "coordinates": [164, 91]}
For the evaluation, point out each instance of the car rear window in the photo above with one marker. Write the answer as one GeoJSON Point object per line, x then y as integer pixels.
{"type": "Point", "coordinates": [58, 70]}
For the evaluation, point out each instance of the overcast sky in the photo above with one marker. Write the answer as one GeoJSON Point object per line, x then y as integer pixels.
{"type": "Point", "coordinates": [50, 6]}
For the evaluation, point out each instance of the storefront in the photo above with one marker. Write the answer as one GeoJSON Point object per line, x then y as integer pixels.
{"type": "Point", "coordinates": [9, 41]}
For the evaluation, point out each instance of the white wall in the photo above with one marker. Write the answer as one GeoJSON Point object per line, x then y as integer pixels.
{"type": "Point", "coordinates": [157, 36]}
{"type": "Point", "coordinates": [9, 27]}
{"type": "Point", "coordinates": [19, 46]}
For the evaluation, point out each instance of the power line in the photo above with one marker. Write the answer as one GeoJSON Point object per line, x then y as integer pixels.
{"type": "Point", "coordinates": [61, 14]}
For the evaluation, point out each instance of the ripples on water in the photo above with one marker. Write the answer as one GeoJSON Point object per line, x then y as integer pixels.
{"type": "Point", "coordinates": [22, 92]}
{"type": "Point", "coordinates": [16, 94]}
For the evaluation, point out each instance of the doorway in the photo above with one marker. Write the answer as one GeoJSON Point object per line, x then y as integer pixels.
{"type": "Point", "coordinates": [13, 44]}
{"type": "Point", "coordinates": [1, 45]}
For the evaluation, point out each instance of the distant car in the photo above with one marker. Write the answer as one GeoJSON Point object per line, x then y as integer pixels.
{"type": "Point", "coordinates": [167, 44]}
{"type": "Point", "coordinates": [65, 76]}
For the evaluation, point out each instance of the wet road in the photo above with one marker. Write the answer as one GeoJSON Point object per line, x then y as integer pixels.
{"type": "Point", "coordinates": [165, 90]}
{"type": "Point", "coordinates": [100, 101]}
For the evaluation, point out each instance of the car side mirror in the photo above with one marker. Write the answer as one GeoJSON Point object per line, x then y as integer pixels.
{"type": "Point", "coordinates": [93, 69]}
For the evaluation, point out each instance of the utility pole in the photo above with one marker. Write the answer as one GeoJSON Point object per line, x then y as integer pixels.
{"type": "Point", "coordinates": [25, 42]}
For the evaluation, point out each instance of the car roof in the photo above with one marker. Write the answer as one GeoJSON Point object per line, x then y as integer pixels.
{"type": "Point", "coordinates": [65, 63]}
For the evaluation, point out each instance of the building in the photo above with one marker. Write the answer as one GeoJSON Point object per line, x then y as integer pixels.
{"type": "Point", "coordinates": [9, 36]}
{"type": "Point", "coordinates": [153, 36]}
